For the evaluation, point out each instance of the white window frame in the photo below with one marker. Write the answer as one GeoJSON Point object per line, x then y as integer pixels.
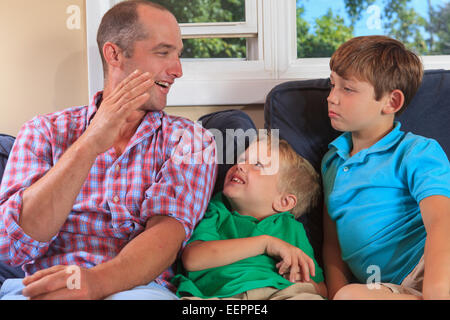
{"type": "Point", "coordinates": [270, 27]}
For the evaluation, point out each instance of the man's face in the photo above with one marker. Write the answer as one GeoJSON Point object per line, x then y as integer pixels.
{"type": "Point", "coordinates": [159, 54]}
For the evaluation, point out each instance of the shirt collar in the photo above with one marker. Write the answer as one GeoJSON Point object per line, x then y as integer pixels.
{"type": "Point", "coordinates": [222, 203]}
{"type": "Point", "coordinates": [93, 107]}
{"type": "Point", "coordinates": [343, 144]}
{"type": "Point", "coordinates": [152, 120]}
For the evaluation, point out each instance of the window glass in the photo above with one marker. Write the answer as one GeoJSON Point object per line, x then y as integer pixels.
{"type": "Point", "coordinates": [206, 11]}
{"type": "Point", "coordinates": [322, 25]}
{"type": "Point", "coordinates": [215, 48]}
{"type": "Point", "coordinates": [200, 11]}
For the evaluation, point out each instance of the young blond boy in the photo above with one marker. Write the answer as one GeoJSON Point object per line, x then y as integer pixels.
{"type": "Point", "coordinates": [387, 205]}
{"type": "Point", "coordinates": [249, 245]}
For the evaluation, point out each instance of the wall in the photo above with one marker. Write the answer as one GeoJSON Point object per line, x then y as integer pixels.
{"type": "Point", "coordinates": [44, 65]}
{"type": "Point", "coordinates": [43, 62]}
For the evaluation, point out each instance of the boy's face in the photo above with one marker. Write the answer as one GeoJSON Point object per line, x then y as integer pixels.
{"type": "Point", "coordinates": [251, 185]}
{"type": "Point", "coordinates": [352, 105]}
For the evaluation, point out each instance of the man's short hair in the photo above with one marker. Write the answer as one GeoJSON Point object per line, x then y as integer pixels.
{"type": "Point", "coordinates": [121, 26]}
{"type": "Point", "coordinates": [383, 62]}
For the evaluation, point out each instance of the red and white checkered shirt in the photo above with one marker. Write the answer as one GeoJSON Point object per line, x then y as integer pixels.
{"type": "Point", "coordinates": [153, 176]}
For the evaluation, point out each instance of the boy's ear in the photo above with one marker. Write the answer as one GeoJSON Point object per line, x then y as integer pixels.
{"type": "Point", "coordinates": [112, 54]}
{"type": "Point", "coordinates": [395, 102]}
{"type": "Point", "coordinates": [285, 202]}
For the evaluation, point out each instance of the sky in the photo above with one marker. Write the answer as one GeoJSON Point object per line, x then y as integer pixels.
{"type": "Point", "coordinates": [368, 25]}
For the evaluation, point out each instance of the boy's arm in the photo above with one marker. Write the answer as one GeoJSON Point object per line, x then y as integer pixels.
{"type": "Point", "coordinates": [337, 273]}
{"type": "Point", "coordinates": [436, 217]}
{"type": "Point", "coordinates": [200, 255]}
{"type": "Point", "coordinates": [320, 287]}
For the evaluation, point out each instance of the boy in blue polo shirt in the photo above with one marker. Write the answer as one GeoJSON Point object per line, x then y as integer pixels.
{"type": "Point", "coordinates": [387, 192]}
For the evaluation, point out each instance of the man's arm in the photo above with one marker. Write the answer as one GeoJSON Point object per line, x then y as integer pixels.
{"type": "Point", "coordinates": [436, 217]}
{"type": "Point", "coordinates": [337, 273]}
{"type": "Point", "coordinates": [139, 262]}
{"type": "Point", "coordinates": [48, 202]}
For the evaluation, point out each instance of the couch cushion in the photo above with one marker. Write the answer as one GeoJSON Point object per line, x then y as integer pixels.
{"type": "Point", "coordinates": [299, 110]}
{"type": "Point", "coordinates": [6, 143]}
{"type": "Point", "coordinates": [232, 142]}
{"type": "Point", "coordinates": [429, 112]}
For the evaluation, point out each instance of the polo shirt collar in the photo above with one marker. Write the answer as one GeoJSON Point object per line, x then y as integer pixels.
{"type": "Point", "coordinates": [343, 144]}
{"type": "Point", "coordinates": [222, 203]}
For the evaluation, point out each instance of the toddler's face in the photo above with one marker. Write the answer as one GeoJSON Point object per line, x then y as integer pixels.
{"type": "Point", "coordinates": [251, 185]}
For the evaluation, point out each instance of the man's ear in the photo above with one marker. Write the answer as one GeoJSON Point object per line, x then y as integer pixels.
{"type": "Point", "coordinates": [394, 102]}
{"type": "Point", "coordinates": [285, 202]}
{"type": "Point", "coordinates": [113, 54]}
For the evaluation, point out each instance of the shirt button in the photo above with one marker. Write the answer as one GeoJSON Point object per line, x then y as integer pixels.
{"type": "Point", "coordinates": [116, 199]}
{"type": "Point", "coordinates": [117, 167]}
{"type": "Point", "coordinates": [345, 169]}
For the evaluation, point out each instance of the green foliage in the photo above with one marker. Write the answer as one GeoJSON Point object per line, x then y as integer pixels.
{"type": "Point", "coordinates": [329, 33]}
{"type": "Point", "coordinates": [197, 11]}
{"type": "Point", "coordinates": [407, 25]}
{"type": "Point", "coordinates": [440, 25]}
{"type": "Point", "coordinates": [424, 32]}
{"type": "Point", "coordinates": [205, 10]}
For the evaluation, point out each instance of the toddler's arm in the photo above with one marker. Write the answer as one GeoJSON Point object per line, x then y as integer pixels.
{"type": "Point", "coordinates": [436, 218]}
{"type": "Point", "coordinates": [200, 255]}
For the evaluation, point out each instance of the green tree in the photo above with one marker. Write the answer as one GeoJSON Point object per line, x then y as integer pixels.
{"type": "Point", "coordinates": [401, 22]}
{"type": "Point", "coordinates": [329, 33]}
{"type": "Point", "coordinates": [197, 11]}
{"type": "Point", "coordinates": [440, 25]}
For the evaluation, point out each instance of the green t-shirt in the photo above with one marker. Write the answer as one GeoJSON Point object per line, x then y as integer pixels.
{"type": "Point", "coordinates": [219, 223]}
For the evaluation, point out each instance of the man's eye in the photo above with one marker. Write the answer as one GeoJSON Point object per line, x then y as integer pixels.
{"type": "Point", "coordinates": [163, 53]}
{"type": "Point", "coordinates": [259, 164]}
{"type": "Point", "coordinates": [348, 89]}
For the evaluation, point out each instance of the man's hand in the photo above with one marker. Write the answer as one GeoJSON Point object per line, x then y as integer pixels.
{"type": "Point", "coordinates": [293, 260]}
{"type": "Point", "coordinates": [114, 110]}
{"type": "Point", "coordinates": [61, 283]}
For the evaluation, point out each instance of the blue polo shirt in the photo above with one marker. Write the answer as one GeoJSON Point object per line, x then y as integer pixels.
{"type": "Point", "coordinates": [373, 197]}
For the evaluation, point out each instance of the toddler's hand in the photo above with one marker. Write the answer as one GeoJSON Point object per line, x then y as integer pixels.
{"type": "Point", "coordinates": [293, 261]}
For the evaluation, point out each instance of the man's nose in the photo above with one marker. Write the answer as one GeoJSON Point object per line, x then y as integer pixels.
{"type": "Point", "coordinates": [176, 69]}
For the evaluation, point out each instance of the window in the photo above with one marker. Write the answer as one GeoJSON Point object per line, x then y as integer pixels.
{"type": "Point", "coordinates": [237, 54]}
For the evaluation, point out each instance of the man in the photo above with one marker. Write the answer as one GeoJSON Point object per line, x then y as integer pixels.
{"type": "Point", "coordinates": [97, 188]}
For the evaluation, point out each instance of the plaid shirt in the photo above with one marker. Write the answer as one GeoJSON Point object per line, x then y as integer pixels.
{"type": "Point", "coordinates": [119, 195]}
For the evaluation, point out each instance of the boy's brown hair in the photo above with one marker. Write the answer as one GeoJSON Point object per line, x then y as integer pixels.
{"type": "Point", "coordinates": [383, 62]}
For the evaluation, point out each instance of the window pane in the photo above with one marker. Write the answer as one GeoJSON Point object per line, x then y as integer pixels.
{"type": "Point", "coordinates": [322, 25]}
{"type": "Point", "coordinates": [206, 10]}
{"type": "Point", "coordinates": [215, 48]}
